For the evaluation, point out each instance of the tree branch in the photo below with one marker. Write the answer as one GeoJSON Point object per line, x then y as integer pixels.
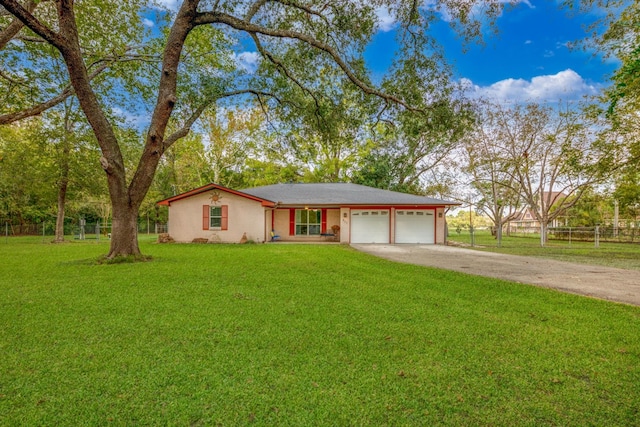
{"type": "Point", "coordinates": [303, 8]}
{"type": "Point", "coordinates": [283, 69]}
{"type": "Point", "coordinates": [11, 79]}
{"type": "Point", "coordinates": [254, 9]}
{"type": "Point", "coordinates": [7, 34]}
{"type": "Point", "coordinates": [242, 25]}
{"type": "Point", "coordinates": [43, 106]}
{"type": "Point", "coordinates": [27, 18]}
{"type": "Point", "coordinates": [186, 127]}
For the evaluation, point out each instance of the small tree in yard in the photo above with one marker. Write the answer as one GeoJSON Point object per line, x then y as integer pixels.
{"type": "Point", "coordinates": [195, 73]}
{"type": "Point", "coordinates": [490, 168]}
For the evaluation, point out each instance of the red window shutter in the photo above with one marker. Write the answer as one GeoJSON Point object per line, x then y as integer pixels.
{"type": "Point", "coordinates": [323, 221]}
{"type": "Point", "coordinates": [292, 222]}
{"type": "Point", "coordinates": [205, 217]}
{"type": "Point", "coordinates": [224, 224]}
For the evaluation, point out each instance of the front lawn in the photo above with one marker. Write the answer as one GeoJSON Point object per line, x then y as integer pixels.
{"type": "Point", "coordinates": [281, 334]}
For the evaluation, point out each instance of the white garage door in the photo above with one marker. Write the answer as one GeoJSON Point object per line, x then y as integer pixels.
{"type": "Point", "coordinates": [369, 226]}
{"type": "Point", "coordinates": [415, 226]}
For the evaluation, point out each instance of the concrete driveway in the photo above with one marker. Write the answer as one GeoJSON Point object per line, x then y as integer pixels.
{"type": "Point", "coordinates": [607, 283]}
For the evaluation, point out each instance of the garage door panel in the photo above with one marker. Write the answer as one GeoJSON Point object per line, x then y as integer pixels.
{"type": "Point", "coordinates": [415, 226]}
{"type": "Point", "coordinates": [369, 226]}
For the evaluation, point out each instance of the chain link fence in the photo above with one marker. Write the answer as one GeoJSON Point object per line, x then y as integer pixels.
{"type": "Point", "coordinates": [581, 234]}
{"type": "Point", "coordinates": [596, 234]}
{"type": "Point", "coordinates": [79, 230]}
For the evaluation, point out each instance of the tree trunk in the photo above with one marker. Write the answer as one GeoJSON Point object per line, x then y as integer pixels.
{"type": "Point", "coordinates": [62, 196]}
{"type": "Point", "coordinates": [124, 231]}
{"type": "Point", "coordinates": [63, 183]}
{"type": "Point", "coordinates": [499, 232]}
{"type": "Point", "coordinates": [543, 233]}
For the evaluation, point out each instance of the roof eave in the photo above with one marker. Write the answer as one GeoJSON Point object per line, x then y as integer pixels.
{"type": "Point", "coordinates": [209, 187]}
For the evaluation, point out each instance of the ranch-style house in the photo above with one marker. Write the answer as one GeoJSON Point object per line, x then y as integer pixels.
{"type": "Point", "coordinates": [346, 213]}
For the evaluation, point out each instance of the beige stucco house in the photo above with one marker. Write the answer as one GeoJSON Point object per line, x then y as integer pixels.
{"type": "Point", "coordinates": [347, 213]}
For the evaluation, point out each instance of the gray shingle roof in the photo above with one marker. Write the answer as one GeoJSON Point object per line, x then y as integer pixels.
{"type": "Point", "coordinates": [338, 194]}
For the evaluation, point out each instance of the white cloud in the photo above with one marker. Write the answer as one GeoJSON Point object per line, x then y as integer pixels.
{"type": "Point", "coordinates": [565, 85]}
{"type": "Point", "coordinates": [476, 10]}
{"type": "Point", "coordinates": [147, 23]}
{"type": "Point", "coordinates": [167, 4]}
{"type": "Point", "coordinates": [527, 2]}
{"type": "Point", "coordinates": [386, 22]}
{"type": "Point", "coordinates": [528, 42]}
{"type": "Point", "coordinates": [247, 61]}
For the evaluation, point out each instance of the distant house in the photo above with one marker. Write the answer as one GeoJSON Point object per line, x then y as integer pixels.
{"type": "Point", "coordinates": [526, 220]}
{"type": "Point", "coordinates": [347, 213]}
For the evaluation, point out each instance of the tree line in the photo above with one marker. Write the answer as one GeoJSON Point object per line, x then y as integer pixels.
{"type": "Point", "coordinates": [309, 112]}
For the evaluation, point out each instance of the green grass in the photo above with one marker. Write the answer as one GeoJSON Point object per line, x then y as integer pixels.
{"type": "Point", "coordinates": [618, 255]}
{"type": "Point", "coordinates": [299, 335]}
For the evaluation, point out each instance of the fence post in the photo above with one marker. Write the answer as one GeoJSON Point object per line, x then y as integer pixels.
{"type": "Point", "coordinates": [597, 236]}
{"type": "Point", "coordinates": [98, 230]}
{"type": "Point", "coordinates": [569, 236]}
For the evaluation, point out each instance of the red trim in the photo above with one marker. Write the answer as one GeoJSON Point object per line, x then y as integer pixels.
{"type": "Point", "coordinates": [205, 217]}
{"type": "Point", "coordinates": [292, 222]}
{"type": "Point", "coordinates": [224, 222]}
{"type": "Point", "coordinates": [273, 220]}
{"type": "Point", "coordinates": [435, 226]}
{"type": "Point", "coordinates": [209, 187]}
{"type": "Point", "coordinates": [379, 207]}
{"type": "Point", "coordinates": [416, 209]}
{"type": "Point", "coordinates": [400, 207]}
{"type": "Point", "coordinates": [323, 221]}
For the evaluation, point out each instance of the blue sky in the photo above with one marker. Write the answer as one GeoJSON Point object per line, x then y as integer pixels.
{"type": "Point", "coordinates": [528, 60]}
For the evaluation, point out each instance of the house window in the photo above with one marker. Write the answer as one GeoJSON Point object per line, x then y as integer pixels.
{"type": "Point", "coordinates": [215, 217]}
{"type": "Point", "coordinates": [308, 222]}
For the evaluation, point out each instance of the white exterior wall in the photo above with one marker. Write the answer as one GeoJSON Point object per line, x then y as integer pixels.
{"type": "Point", "coordinates": [244, 216]}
